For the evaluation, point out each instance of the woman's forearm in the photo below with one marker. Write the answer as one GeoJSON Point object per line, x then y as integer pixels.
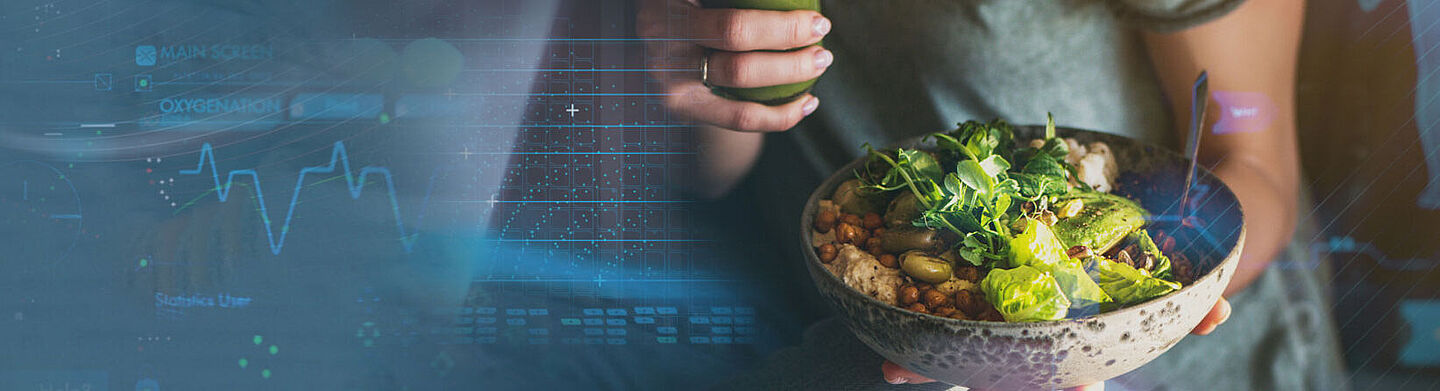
{"type": "Point", "coordinates": [1252, 50]}
{"type": "Point", "coordinates": [1270, 215]}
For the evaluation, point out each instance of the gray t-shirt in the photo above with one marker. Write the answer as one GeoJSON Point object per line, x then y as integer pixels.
{"type": "Point", "coordinates": [909, 67]}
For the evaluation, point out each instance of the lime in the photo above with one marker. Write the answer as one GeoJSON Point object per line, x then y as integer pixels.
{"type": "Point", "coordinates": [771, 95]}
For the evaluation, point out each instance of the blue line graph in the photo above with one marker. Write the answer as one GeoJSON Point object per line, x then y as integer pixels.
{"type": "Point", "coordinates": [354, 182]}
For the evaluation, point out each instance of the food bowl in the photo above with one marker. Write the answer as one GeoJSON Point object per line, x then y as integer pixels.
{"type": "Point", "coordinates": [1069, 352]}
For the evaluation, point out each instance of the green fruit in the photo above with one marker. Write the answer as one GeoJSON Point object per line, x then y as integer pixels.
{"type": "Point", "coordinates": [771, 95]}
{"type": "Point", "coordinates": [768, 5]}
{"type": "Point", "coordinates": [1104, 220]}
{"type": "Point", "coordinates": [925, 268]}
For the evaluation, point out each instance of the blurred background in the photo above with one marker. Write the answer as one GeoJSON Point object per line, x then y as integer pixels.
{"type": "Point", "coordinates": [1369, 123]}
{"type": "Point", "coordinates": [438, 194]}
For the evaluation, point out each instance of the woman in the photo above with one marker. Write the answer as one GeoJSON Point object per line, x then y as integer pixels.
{"type": "Point", "coordinates": [897, 69]}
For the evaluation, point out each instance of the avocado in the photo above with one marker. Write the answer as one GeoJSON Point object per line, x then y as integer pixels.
{"type": "Point", "coordinates": [768, 5]}
{"type": "Point", "coordinates": [770, 95]}
{"type": "Point", "coordinates": [1104, 221]}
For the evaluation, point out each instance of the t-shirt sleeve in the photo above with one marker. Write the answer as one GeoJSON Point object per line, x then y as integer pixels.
{"type": "Point", "coordinates": [1170, 15]}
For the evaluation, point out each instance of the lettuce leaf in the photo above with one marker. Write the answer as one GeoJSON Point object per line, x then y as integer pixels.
{"type": "Point", "coordinates": [1025, 294]}
{"type": "Point", "coordinates": [1038, 247]}
{"type": "Point", "coordinates": [1126, 285]}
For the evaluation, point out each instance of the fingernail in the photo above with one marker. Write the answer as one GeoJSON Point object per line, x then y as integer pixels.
{"type": "Point", "coordinates": [897, 380]}
{"type": "Point", "coordinates": [810, 106]}
{"type": "Point", "coordinates": [1205, 330]}
{"type": "Point", "coordinates": [822, 26]}
{"type": "Point", "coordinates": [823, 58]}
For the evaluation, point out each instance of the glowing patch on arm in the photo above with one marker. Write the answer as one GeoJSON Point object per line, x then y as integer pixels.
{"type": "Point", "coordinates": [1243, 112]}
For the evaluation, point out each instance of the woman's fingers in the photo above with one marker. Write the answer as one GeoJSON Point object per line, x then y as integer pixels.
{"type": "Point", "coordinates": [739, 30]}
{"type": "Point", "coordinates": [730, 35]}
{"type": "Point", "coordinates": [695, 102]}
{"type": "Point", "coordinates": [1217, 315]}
{"type": "Point", "coordinates": [895, 374]}
{"type": "Point", "coordinates": [760, 69]}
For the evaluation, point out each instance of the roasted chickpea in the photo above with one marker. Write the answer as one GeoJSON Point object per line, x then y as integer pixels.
{"type": "Point", "coordinates": [872, 221]}
{"type": "Point", "coordinates": [889, 260]}
{"type": "Point", "coordinates": [873, 244]}
{"type": "Point", "coordinates": [826, 220]}
{"type": "Point", "coordinates": [966, 300]}
{"type": "Point", "coordinates": [909, 295]}
{"type": "Point", "coordinates": [827, 252]}
{"type": "Point", "coordinates": [877, 232]}
{"type": "Point", "coordinates": [917, 307]}
{"type": "Point", "coordinates": [968, 273]}
{"type": "Point", "coordinates": [958, 315]}
{"type": "Point", "coordinates": [852, 220]}
{"type": "Point", "coordinates": [934, 299]}
{"type": "Point", "coordinates": [944, 311]}
{"type": "Point", "coordinates": [1080, 252]}
{"type": "Point", "coordinates": [848, 233]}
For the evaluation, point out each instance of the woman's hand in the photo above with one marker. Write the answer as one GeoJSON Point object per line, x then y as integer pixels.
{"type": "Point", "coordinates": [743, 48]}
{"type": "Point", "coordinates": [894, 374]}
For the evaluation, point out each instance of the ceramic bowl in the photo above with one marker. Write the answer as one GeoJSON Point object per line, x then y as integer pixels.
{"type": "Point", "coordinates": [1064, 353]}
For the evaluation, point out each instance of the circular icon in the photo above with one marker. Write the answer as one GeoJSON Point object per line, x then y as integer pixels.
{"type": "Point", "coordinates": [39, 205]}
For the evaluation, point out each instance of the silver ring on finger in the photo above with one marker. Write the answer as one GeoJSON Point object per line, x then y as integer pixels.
{"type": "Point", "coordinates": [705, 69]}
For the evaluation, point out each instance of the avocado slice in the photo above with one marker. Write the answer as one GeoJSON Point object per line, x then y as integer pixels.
{"type": "Point", "coordinates": [1105, 220]}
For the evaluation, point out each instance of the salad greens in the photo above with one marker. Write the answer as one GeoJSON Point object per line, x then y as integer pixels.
{"type": "Point", "coordinates": [1037, 247]}
{"type": "Point", "coordinates": [1125, 284]}
{"type": "Point", "coordinates": [1025, 294]}
{"type": "Point", "coordinates": [996, 199]}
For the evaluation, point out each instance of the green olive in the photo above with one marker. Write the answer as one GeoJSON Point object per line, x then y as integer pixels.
{"type": "Point", "coordinates": [902, 210]}
{"type": "Point", "coordinates": [926, 268]}
{"type": "Point", "coordinates": [911, 238]}
{"type": "Point", "coordinates": [854, 199]}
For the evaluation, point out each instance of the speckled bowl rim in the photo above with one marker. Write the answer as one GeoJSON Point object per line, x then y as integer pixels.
{"type": "Point", "coordinates": [807, 232]}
